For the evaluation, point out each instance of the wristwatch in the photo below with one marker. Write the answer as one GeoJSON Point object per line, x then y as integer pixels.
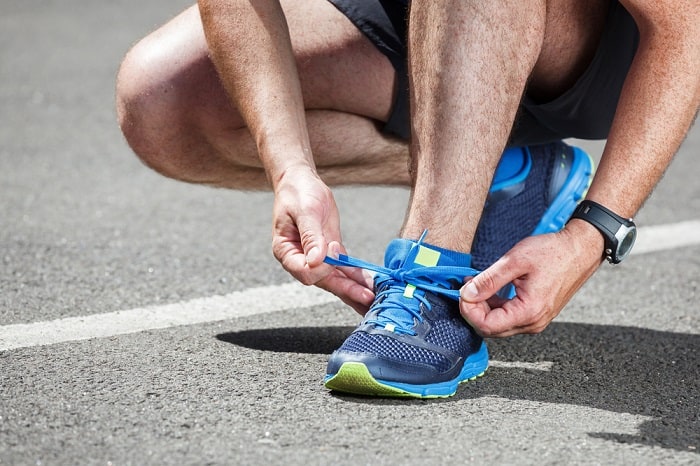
{"type": "Point", "coordinates": [619, 233]}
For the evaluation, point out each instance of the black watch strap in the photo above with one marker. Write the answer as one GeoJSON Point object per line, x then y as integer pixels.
{"type": "Point", "coordinates": [600, 217]}
{"type": "Point", "coordinates": [610, 225]}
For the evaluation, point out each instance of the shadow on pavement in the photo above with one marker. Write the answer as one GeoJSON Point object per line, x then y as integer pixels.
{"type": "Point", "coordinates": [619, 369]}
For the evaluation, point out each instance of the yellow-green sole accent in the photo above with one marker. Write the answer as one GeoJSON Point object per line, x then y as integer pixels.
{"type": "Point", "coordinates": [355, 378]}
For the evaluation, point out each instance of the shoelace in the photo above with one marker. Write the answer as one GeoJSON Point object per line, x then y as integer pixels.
{"type": "Point", "coordinates": [391, 284]}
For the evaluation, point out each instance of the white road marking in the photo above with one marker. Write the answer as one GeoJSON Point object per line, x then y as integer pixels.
{"type": "Point", "coordinates": [252, 301]}
{"type": "Point", "coordinates": [255, 301]}
{"type": "Point", "coordinates": [544, 366]}
{"type": "Point", "coordinates": [668, 236]}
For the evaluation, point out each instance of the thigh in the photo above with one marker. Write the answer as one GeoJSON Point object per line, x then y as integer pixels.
{"type": "Point", "coordinates": [586, 107]}
{"type": "Point", "coordinates": [573, 31]}
{"type": "Point", "coordinates": [339, 68]}
{"type": "Point", "coordinates": [385, 24]}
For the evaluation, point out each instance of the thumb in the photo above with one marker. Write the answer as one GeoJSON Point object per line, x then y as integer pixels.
{"type": "Point", "coordinates": [312, 240]}
{"type": "Point", "coordinates": [489, 282]}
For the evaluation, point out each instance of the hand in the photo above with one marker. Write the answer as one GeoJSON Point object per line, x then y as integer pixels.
{"type": "Point", "coordinates": [306, 227]}
{"type": "Point", "coordinates": [354, 286]}
{"type": "Point", "coordinates": [546, 271]}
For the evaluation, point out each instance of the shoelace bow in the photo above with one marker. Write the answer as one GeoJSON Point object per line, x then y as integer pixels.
{"type": "Point", "coordinates": [393, 282]}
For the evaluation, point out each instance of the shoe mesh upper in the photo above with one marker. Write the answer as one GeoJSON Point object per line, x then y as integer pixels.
{"type": "Point", "coordinates": [448, 331]}
{"type": "Point", "coordinates": [506, 222]}
{"type": "Point", "coordinates": [450, 334]}
{"type": "Point", "coordinates": [391, 348]}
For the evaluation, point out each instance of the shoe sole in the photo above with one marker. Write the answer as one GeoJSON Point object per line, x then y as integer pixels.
{"type": "Point", "coordinates": [574, 189]}
{"type": "Point", "coordinates": [355, 378]}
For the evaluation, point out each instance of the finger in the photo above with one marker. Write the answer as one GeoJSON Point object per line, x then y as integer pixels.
{"type": "Point", "coordinates": [512, 318]}
{"type": "Point", "coordinates": [359, 275]}
{"type": "Point", "coordinates": [474, 313]}
{"type": "Point", "coordinates": [487, 283]}
{"type": "Point", "coordinates": [349, 291]}
{"type": "Point", "coordinates": [312, 239]}
{"type": "Point", "coordinates": [492, 322]}
{"type": "Point", "coordinates": [300, 269]}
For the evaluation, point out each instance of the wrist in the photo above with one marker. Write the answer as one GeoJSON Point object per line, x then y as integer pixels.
{"type": "Point", "coordinates": [289, 173]}
{"type": "Point", "coordinates": [588, 241]}
{"type": "Point", "coordinates": [281, 157]}
{"type": "Point", "coordinates": [618, 233]}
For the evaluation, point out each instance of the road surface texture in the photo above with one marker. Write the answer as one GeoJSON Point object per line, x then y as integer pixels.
{"type": "Point", "coordinates": [145, 321]}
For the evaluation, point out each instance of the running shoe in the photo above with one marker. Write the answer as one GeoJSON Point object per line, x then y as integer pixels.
{"type": "Point", "coordinates": [535, 190]}
{"type": "Point", "coordinates": [413, 342]}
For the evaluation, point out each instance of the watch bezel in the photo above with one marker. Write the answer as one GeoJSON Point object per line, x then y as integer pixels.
{"type": "Point", "coordinates": [624, 238]}
{"type": "Point", "coordinates": [619, 233]}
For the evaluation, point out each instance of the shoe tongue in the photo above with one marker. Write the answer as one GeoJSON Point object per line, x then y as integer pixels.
{"type": "Point", "coordinates": [407, 254]}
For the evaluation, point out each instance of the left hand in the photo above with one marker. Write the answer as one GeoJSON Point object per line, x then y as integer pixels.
{"type": "Point", "coordinates": [546, 271]}
{"type": "Point", "coordinates": [306, 228]}
{"type": "Point", "coordinates": [354, 286]}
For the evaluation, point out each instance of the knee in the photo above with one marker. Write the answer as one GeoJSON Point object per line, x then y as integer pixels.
{"type": "Point", "coordinates": [148, 107]}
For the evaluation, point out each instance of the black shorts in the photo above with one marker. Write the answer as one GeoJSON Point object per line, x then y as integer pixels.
{"type": "Point", "coordinates": [585, 111]}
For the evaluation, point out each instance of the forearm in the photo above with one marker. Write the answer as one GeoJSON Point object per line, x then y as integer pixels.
{"type": "Point", "coordinates": [250, 46]}
{"type": "Point", "coordinates": [659, 100]}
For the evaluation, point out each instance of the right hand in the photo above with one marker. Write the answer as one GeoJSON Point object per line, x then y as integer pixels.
{"type": "Point", "coordinates": [546, 271]}
{"type": "Point", "coordinates": [306, 228]}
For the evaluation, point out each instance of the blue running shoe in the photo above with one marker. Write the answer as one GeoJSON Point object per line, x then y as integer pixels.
{"type": "Point", "coordinates": [535, 190]}
{"type": "Point", "coordinates": [413, 342]}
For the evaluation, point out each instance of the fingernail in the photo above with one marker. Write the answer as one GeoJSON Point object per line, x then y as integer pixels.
{"type": "Point", "coordinates": [334, 251]}
{"type": "Point", "coordinates": [471, 290]}
{"type": "Point", "coordinates": [312, 255]}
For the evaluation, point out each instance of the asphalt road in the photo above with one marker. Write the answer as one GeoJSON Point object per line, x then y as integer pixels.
{"type": "Point", "coordinates": [86, 230]}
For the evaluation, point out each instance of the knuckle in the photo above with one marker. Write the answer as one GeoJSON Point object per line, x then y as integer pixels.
{"type": "Point", "coordinates": [539, 321]}
{"type": "Point", "coordinates": [486, 330]}
{"type": "Point", "coordinates": [536, 328]}
{"type": "Point", "coordinates": [485, 280]}
{"type": "Point", "coordinates": [305, 280]}
{"type": "Point", "coordinates": [515, 258]}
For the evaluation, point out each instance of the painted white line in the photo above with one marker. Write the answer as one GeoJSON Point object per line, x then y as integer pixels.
{"type": "Point", "coordinates": [252, 301]}
{"type": "Point", "coordinates": [544, 366]}
{"type": "Point", "coordinates": [669, 236]}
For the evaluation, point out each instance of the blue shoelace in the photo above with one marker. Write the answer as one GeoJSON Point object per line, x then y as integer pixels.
{"type": "Point", "coordinates": [391, 285]}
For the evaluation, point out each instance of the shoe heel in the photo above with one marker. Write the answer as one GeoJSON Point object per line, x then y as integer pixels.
{"type": "Point", "coordinates": [574, 189]}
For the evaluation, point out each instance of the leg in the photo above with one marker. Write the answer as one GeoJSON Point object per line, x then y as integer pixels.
{"type": "Point", "coordinates": [470, 65]}
{"type": "Point", "coordinates": [482, 49]}
{"type": "Point", "coordinates": [177, 117]}
{"type": "Point", "coordinates": [485, 53]}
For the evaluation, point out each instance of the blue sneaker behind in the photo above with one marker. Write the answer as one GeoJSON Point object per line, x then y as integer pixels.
{"type": "Point", "coordinates": [413, 342]}
{"type": "Point", "coordinates": [535, 191]}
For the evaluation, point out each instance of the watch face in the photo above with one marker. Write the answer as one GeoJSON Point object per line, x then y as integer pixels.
{"type": "Point", "coordinates": [625, 245]}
